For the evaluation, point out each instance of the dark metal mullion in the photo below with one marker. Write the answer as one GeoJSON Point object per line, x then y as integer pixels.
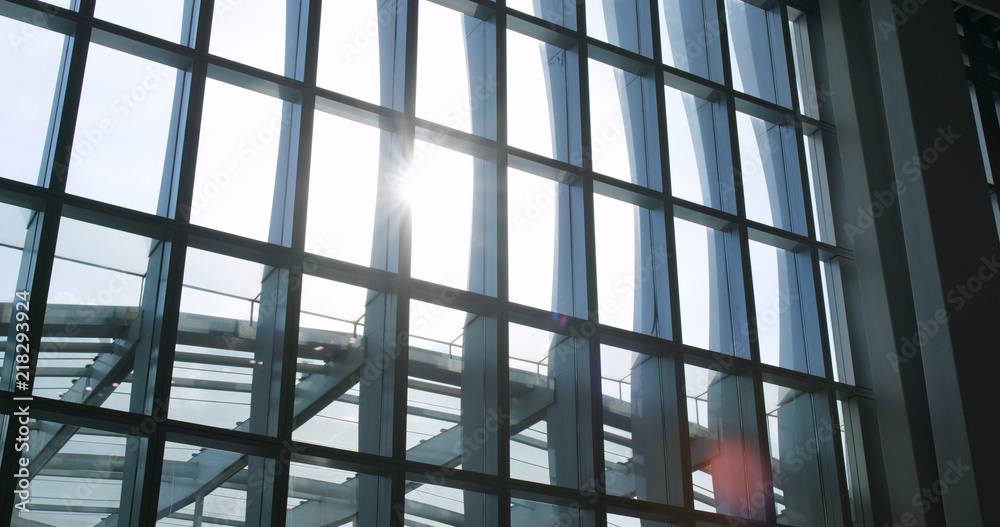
{"type": "Point", "coordinates": [839, 476]}
{"type": "Point", "coordinates": [38, 254]}
{"type": "Point", "coordinates": [679, 382]}
{"type": "Point", "coordinates": [402, 293]}
{"type": "Point", "coordinates": [67, 105]}
{"type": "Point", "coordinates": [189, 129]}
{"type": "Point", "coordinates": [503, 270]}
{"type": "Point", "coordinates": [593, 477]}
{"type": "Point", "coordinates": [298, 180]}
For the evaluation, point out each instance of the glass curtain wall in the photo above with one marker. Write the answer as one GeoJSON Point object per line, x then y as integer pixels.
{"type": "Point", "coordinates": [426, 263]}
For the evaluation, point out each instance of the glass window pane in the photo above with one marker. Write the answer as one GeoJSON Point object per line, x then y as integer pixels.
{"type": "Point", "coordinates": [79, 486]}
{"type": "Point", "coordinates": [819, 187]}
{"type": "Point", "coordinates": [560, 13]}
{"type": "Point", "coordinates": [451, 414]}
{"type": "Point", "coordinates": [787, 324]}
{"type": "Point", "coordinates": [546, 405]}
{"type": "Point", "coordinates": [772, 187]}
{"type": "Point", "coordinates": [538, 118]}
{"type": "Point", "coordinates": [757, 48]}
{"type": "Point", "coordinates": [163, 19]}
{"type": "Point", "coordinates": [252, 32]}
{"type": "Point", "coordinates": [534, 208]}
{"type": "Point", "coordinates": [331, 354]}
{"type": "Point", "coordinates": [343, 182]}
{"type": "Point", "coordinates": [631, 270]}
{"type": "Point", "coordinates": [700, 161]}
{"type": "Point", "coordinates": [215, 362]}
{"type": "Point", "coordinates": [637, 428]}
{"type": "Point", "coordinates": [722, 452]}
{"type": "Point", "coordinates": [122, 130]}
{"type": "Point", "coordinates": [529, 512]}
{"type": "Point", "coordinates": [237, 160]}
{"type": "Point", "coordinates": [321, 496]}
{"type": "Point", "coordinates": [12, 237]}
{"type": "Point", "coordinates": [690, 37]}
{"type": "Point", "coordinates": [439, 506]}
{"type": "Point", "coordinates": [616, 520]}
{"type": "Point", "coordinates": [31, 62]}
{"type": "Point", "coordinates": [349, 59]}
{"type": "Point", "coordinates": [448, 216]}
{"type": "Point", "coordinates": [796, 449]}
{"type": "Point", "coordinates": [454, 84]}
{"type": "Point", "coordinates": [711, 289]}
{"type": "Point", "coordinates": [619, 125]}
{"type": "Point", "coordinates": [836, 321]}
{"type": "Point", "coordinates": [94, 297]}
{"type": "Point", "coordinates": [194, 486]}
{"type": "Point", "coordinates": [618, 22]}
{"type": "Point", "coordinates": [15, 221]}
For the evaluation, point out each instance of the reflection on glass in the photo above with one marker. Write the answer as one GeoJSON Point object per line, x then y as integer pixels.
{"type": "Point", "coordinates": [546, 404]}
{"type": "Point", "coordinates": [772, 189]}
{"type": "Point", "coordinates": [122, 130]}
{"type": "Point", "coordinates": [349, 47]}
{"type": "Point", "coordinates": [31, 69]}
{"type": "Point", "coordinates": [80, 484]}
{"type": "Point", "coordinates": [787, 324]}
{"type": "Point", "coordinates": [214, 363]}
{"type": "Point", "coordinates": [615, 520]}
{"type": "Point", "coordinates": [836, 321]}
{"type": "Point", "coordinates": [531, 230]}
{"type": "Point", "coordinates": [848, 455]}
{"type": "Point", "coordinates": [445, 506]}
{"type": "Point", "coordinates": [15, 221]}
{"type": "Point", "coordinates": [758, 51]}
{"type": "Point", "coordinates": [637, 430]}
{"type": "Point", "coordinates": [91, 317]}
{"type": "Point", "coordinates": [331, 355]}
{"type": "Point", "coordinates": [616, 103]}
{"type": "Point", "coordinates": [723, 454]}
{"type": "Point", "coordinates": [528, 512]}
{"type": "Point", "coordinates": [196, 485]}
{"type": "Point", "coordinates": [343, 181]}
{"type": "Point", "coordinates": [321, 496]}
{"type": "Point", "coordinates": [163, 19]}
{"type": "Point", "coordinates": [618, 22]}
{"type": "Point", "coordinates": [237, 160]}
{"type": "Point", "coordinates": [797, 443]}
{"type": "Point", "coordinates": [12, 237]}
{"type": "Point", "coordinates": [451, 411]}
{"type": "Point", "coordinates": [690, 37]}
{"type": "Point", "coordinates": [252, 32]}
{"type": "Point", "coordinates": [808, 93]}
{"type": "Point", "coordinates": [561, 13]}
{"type": "Point", "coordinates": [710, 288]}
{"type": "Point", "coordinates": [818, 186]}
{"type": "Point", "coordinates": [700, 163]}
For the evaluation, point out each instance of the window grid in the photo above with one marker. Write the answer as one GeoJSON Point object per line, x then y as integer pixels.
{"type": "Point", "coordinates": [268, 435]}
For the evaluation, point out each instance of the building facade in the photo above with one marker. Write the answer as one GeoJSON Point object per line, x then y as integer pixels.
{"type": "Point", "coordinates": [470, 262]}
